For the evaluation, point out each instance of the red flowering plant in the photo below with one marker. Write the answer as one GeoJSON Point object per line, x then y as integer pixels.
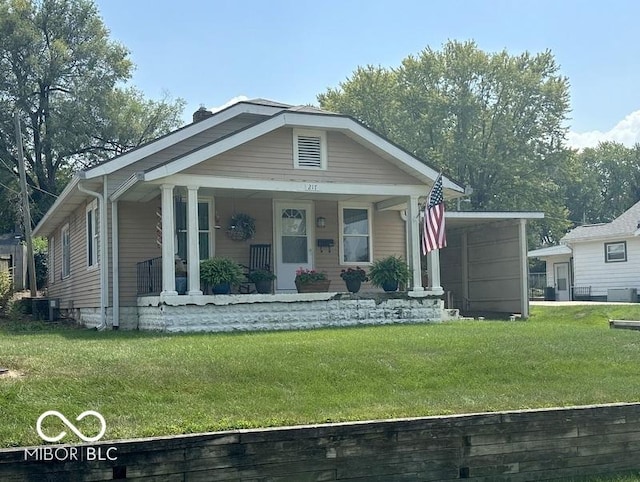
{"type": "Point", "coordinates": [354, 274]}
{"type": "Point", "coordinates": [305, 276]}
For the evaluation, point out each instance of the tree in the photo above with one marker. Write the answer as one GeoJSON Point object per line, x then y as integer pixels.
{"type": "Point", "coordinates": [61, 72]}
{"type": "Point", "coordinates": [605, 182]}
{"type": "Point", "coordinates": [491, 121]}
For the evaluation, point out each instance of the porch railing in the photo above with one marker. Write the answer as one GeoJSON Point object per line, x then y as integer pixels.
{"type": "Point", "coordinates": [537, 285]}
{"type": "Point", "coordinates": [150, 276]}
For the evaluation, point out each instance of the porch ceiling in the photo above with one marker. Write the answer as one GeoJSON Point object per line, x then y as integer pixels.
{"type": "Point", "coordinates": [465, 219]}
{"type": "Point", "coordinates": [147, 192]}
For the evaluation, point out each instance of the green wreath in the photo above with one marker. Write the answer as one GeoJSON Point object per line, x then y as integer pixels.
{"type": "Point", "coordinates": [241, 227]}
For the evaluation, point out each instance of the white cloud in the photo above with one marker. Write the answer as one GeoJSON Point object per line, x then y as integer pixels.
{"type": "Point", "coordinates": [626, 132]}
{"type": "Point", "coordinates": [234, 100]}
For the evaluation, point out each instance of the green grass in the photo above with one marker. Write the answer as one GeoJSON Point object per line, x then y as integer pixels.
{"type": "Point", "coordinates": [155, 384]}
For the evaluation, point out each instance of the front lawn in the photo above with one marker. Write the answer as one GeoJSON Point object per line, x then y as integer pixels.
{"type": "Point", "coordinates": [155, 384]}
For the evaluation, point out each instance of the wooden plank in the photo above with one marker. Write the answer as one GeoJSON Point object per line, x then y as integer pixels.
{"type": "Point", "coordinates": [624, 324]}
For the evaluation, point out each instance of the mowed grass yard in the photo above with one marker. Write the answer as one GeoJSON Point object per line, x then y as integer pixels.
{"type": "Point", "coordinates": [148, 384]}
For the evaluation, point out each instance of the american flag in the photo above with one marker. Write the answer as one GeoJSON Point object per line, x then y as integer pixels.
{"type": "Point", "coordinates": [433, 235]}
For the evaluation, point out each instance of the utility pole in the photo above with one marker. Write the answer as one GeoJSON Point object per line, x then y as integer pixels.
{"type": "Point", "coordinates": [26, 215]}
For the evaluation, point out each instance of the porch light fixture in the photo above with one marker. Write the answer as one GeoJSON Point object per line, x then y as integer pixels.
{"type": "Point", "coordinates": [321, 222]}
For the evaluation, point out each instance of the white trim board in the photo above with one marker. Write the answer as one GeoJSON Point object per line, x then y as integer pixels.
{"type": "Point", "coordinates": [290, 186]}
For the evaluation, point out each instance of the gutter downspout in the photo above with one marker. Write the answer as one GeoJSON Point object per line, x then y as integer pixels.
{"type": "Point", "coordinates": [115, 265]}
{"type": "Point", "coordinates": [103, 254]}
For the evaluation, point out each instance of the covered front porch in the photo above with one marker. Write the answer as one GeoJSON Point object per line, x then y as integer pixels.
{"type": "Point", "coordinates": [325, 227]}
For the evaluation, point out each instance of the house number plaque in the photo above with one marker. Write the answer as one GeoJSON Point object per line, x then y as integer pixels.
{"type": "Point", "coordinates": [311, 187]}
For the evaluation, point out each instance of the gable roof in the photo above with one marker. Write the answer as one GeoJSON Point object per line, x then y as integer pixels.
{"type": "Point", "coordinates": [268, 116]}
{"type": "Point", "coordinates": [258, 107]}
{"type": "Point", "coordinates": [625, 225]}
{"type": "Point", "coordinates": [306, 118]}
{"type": "Point", "coordinates": [560, 249]}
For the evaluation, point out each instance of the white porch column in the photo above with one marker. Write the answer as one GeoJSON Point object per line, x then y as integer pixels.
{"type": "Point", "coordinates": [193, 241]}
{"type": "Point", "coordinates": [168, 248]}
{"type": "Point", "coordinates": [524, 269]}
{"type": "Point", "coordinates": [433, 261]}
{"type": "Point", "coordinates": [413, 239]}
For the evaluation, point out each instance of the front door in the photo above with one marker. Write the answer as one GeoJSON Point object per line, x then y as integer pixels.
{"type": "Point", "coordinates": [294, 241]}
{"type": "Point", "coordinates": [562, 281]}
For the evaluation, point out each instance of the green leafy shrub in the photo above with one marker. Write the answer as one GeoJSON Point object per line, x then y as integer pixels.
{"type": "Point", "coordinates": [6, 290]}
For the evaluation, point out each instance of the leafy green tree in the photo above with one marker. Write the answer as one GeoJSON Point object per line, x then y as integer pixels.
{"type": "Point", "coordinates": [606, 182]}
{"type": "Point", "coordinates": [491, 121]}
{"type": "Point", "coordinates": [60, 71]}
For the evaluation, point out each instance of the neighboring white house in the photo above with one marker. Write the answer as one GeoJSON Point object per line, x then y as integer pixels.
{"type": "Point", "coordinates": [597, 261]}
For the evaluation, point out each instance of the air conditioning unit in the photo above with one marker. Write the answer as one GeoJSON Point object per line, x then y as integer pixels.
{"type": "Point", "coordinates": [624, 295]}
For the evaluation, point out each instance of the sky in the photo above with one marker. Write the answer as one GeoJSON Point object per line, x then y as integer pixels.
{"type": "Point", "coordinates": [211, 52]}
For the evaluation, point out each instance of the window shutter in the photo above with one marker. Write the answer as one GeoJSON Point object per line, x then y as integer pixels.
{"type": "Point", "coordinates": [309, 151]}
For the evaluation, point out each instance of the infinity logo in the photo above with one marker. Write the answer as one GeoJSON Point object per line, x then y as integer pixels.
{"type": "Point", "coordinates": [73, 428]}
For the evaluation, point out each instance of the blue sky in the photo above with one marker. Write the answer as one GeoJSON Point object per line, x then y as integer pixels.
{"type": "Point", "coordinates": [210, 51]}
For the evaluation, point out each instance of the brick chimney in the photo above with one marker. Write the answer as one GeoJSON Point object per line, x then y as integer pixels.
{"type": "Point", "coordinates": [201, 114]}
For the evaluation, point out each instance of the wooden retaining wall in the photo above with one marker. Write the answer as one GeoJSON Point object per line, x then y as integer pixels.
{"type": "Point", "coordinates": [508, 446]}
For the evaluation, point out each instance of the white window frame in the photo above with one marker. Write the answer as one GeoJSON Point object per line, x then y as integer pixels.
{"type": "Point", "coordinates": [65, 238]}
{"type": "Point", "coordinates": [210, 203]}
{"type": "Point", "coordinates": [92, 231]}
{"type": "Point", "coordinates": [51, 262]}
{"type": "Point", "coordinates": [607, 259]}
{"type": "Point", "coordinates": [364, 206]}
{"type": "Point", "coordinates": [323, 148]}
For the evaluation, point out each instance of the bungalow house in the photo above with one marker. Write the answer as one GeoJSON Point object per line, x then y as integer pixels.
{"type": "Point", "coordinates": [325, 192]}
{"type": "Point", "coordinates": [599, 262]}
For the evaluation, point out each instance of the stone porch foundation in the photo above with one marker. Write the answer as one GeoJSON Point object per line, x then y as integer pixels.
{"type": "Point", "coordinates": [223, 313]}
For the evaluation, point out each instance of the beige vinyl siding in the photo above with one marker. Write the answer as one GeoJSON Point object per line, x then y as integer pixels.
{"type": "Point", "coordinates": [137, 226]}
{"type": "Point", "coordinates": [81, 289]}
{"type": "Point", "coordinates": [259, 209]}
{"type": "Point", "coordinates": [590, 268]}
{"type": "Point", "coordinates": [187, 145]}
{"type": "Point", "coordinates": [389, 234]}
{"type": "Point", "coordinates": [271, 157]}
{"type": "Point", "coordinates": [388, 239]}
{"type": "Point", "coordinates": [325, 261]}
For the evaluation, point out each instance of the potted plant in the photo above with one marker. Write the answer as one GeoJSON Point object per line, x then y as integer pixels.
{"type": "Point", "coordinates": [263, 279]}
{"type": "Point", "coordinates": [219, 273]}
{"type": "Point", "coordinates": [388, 272]}
{"type": "Point", "coordinates": [353, 278]}
{"type": "Point", "coordinates": [311, 281]}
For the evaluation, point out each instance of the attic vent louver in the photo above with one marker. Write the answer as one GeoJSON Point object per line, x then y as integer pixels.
{"type": "Point", "coordinates": [310, 149]}
{"type": "Point", "coordinates": [309, 154]}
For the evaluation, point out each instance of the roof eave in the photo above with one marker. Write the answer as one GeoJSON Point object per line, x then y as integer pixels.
{"type": "Point", "coordinates": [62, 198]}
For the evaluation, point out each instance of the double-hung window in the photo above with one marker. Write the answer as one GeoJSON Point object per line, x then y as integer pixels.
{"type": "Point", "coordinates": [355, 234]}
{"type": "Point", "coordinates": [92, 234]}
{"type": "Point", "coordinates": [66, 251]}
{"type": "Point", "coordinates": [51, 259]}
{"type": "Point", "coordinates": [615, 252]}
{"type": "Point", "coordinates": [204, 228]}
